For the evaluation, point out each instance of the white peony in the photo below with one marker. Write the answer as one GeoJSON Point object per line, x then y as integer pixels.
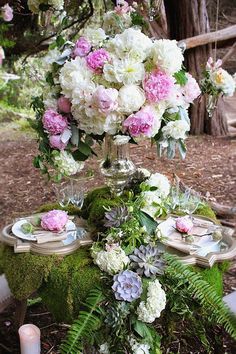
{"type": "Point", "coordinates": [222, 80]}
{"type": "Point", "coordinates": [156, 301]}
{"type": "Point", "coordinates": [126, 71]}
{"type": "Point", "coordinates": [95, 36]}
{"type": "Point", "coordinates": [131, 43]}
{"type": "Point", "coordinates": [161, 182]}
{"type": "Point", "coordinates": [131, 98]}
{"type": "Point", "coordinates": [91, 125]}
{"type": "Point", "coordinates": [75, 77]}
{"type": "Point", "coordinates": [176, 129]}
{"type": "Point", "coordinates": [167, 56]}
{"type": "Point", "coordinates": [66, 164]}
{"type": "Point", "coordinates": [111, 261]}
{"type": "Point", "coordinates": [175, 99]}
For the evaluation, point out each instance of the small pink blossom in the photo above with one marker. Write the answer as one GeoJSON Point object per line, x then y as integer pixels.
{"type": "Point", "coordinates": [2, 55]}
{"type": "Point", "coordinates": [184, 225]}
{"type": "Point", "coordinates": [111, 246]}
{"type": "Point", "coordinates": [122, 8]}
{"type": "Point", "coordinates": [82, 48]}
{"type": "Point", "coordinates": [157, 86]}
{"type": "Point", "coordinates": [54, 220]}
{"type": "Point", "coordinates": [191, 90]}
{"type": "Point", "coordinates": [97, 59]}
{"type": "Point", "coordinates": [64, 104]}
{"type": "Point", "coordinates": [56, 142]}
{"type": "Point", "coordinates": [105, 100]}
{"type": "Point", "coordinates": [140, 123]}
{"type": "Point", "coordinates": [211, 65]}
{"type": "Point", "coordinates": [53, 122]}
{"type": "Point", "coordinates": [7, 13]}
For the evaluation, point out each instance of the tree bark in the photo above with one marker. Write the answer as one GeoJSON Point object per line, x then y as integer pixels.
{"type": "Point", "coordinates": [188, 19]}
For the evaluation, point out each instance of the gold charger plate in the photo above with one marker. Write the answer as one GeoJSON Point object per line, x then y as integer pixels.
{"type": "Point", "coordinates": [212, 257]}
{"type": "Point", "coordinates": [44, 249]}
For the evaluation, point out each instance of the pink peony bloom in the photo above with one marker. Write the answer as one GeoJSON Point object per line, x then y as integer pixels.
{"type": "Point", "coordinates": [7, 13]}
{"type": "Point", "coordinates": [105, 100]}
{"type": "Point", "coordinates": [54, 220]}
{"type": "Point", "coordinates": [122, 7]}
{"type": "Point", "coordinates": [64, 104]}
{"type": "Point", "coordinates": [140, 123]}
{"type": "Point", "coordinates": [56, 142]}
{"type": "Point", "coordinates": [97, 59]}
{"type": "Point", "coordinates": [2, 55]}
{"type": "Point", "coordinates": [184, 225]}
{"type": "Point", "coordinates": [82, 48]}
{"type": "Point", "coordinates": [157, 86]}
{"type": "Point", "coordinates": [54, 122]}
{"type": "Point", "coordinates": [191, 90]}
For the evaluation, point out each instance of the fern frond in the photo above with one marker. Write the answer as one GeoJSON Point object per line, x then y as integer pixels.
{"type": "Point", "coordinates": [88, 321]}
{"type": "Point", "coordinates": [203, 292]}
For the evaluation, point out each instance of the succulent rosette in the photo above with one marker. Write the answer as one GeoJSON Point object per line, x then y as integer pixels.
{"type": "Point", "coordinates": [127, 286]}
{"type": "Point", "coordinates": [121, 83]}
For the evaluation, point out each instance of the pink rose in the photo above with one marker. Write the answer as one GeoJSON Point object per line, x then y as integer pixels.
{"type": "Point", "coordinates": [97, 59]}
{"type": "Point", "coordinates": [141, 123]}
{"type": "Point", "coordinates": [64, 104]}
{"type": "Point", "coordinates": [157, 86]}
{"type": "Point", "coordinates": [105, 100]}
{"type": "Point", "coordinates": [191, 90]}
{"type": "Point", "coordinates": [184, 225]}
{"type": "Point", "coordinates": [7, 13]}
{"type": "Point", "coordinates": [56, 142]}
{"type": "Point", "coordinates": [54, 220]}
{"type": "Point", "coordinates": [82, 48]}
{"type": "Point", "coordinates": [53, 122]}
{"type": "Point", "coordinates": [2, 55]}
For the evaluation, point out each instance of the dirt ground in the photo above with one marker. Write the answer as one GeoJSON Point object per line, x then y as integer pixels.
{"type": "Point", "coordinates": [210, 168]}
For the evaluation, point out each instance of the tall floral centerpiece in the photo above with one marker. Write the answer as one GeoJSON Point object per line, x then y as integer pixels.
{"type": "Point", "coordinates": [124, 85]}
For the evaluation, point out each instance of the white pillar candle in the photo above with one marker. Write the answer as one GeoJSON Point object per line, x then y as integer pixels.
{"type": "Point", "coordinates": [29, 339]}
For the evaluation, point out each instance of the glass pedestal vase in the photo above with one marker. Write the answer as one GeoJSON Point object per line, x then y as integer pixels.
{"type": "Point", "coordinates": [117, 166]}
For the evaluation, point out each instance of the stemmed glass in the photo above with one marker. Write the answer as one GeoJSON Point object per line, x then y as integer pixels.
{"type": "Point", "coordinates": [189, 202]}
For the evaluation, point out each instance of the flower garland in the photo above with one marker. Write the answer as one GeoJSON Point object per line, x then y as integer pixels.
{"type": "Point", "coordinates": [123, 84]}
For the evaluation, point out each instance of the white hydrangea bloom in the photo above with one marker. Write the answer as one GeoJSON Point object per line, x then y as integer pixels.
{"type": "Point", "coordinates": [95, 35]}
{"type": "Point", "coordinates": [222, 80]}
{"type": "Point", "coordinates": [66, 164]}
{"type": "Point", "coordinates": [113, 123]}
{"type": "Point", "coordinates": [75, 77]}
{"type": "Point", "coordinates": [111, 261]}
{"type": "Point", "coordinates": [151, 201]}
{"type": "Point", "coordinates": [131, 43]}
{"type": "Point", "coordinates": [131, 98]}
{"type": "Point", "coordinates": [161, 182]}
{"type": "Point", "coordinates": [176, 129]}
{"type": "Point", "coordinates": [151, 309]}
{"type": "Point", "coordinates": [167, 56]}
{"type": "Point", "coordinates": [104, 348]}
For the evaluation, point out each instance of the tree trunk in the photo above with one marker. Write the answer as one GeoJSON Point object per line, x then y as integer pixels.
{"type": "Point", "coordinates": [188, 19]}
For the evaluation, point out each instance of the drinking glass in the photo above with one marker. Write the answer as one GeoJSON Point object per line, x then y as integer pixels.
{"type": "Point", "coordinates": [189, 202]}
{"type": "Point", "coordinates": [64, 194]}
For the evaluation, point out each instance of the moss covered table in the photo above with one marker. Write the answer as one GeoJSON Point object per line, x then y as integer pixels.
{"type": "Point", "coordinates": [63, 283]}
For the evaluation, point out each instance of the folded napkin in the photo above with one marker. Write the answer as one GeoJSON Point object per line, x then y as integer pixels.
{"type": "Point", "coordinates": [47, 236]}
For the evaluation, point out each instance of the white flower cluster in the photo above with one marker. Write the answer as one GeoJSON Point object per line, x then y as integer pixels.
{"type": "Point", "coordinates": [104, 348]}
{"type": "Point", "coordinates": [176, 129]}
{"type": "Point", "coordinates": [66, 164]}
{"type": "Point", "coordinates": [156, 301]}
{"type": "Point", "coordinates": [223, 81]}
{"type": "Point", "coordinates": [153, 199]}
{"type": "Point", "coordinates": [111, 261]}
{"type": "Point", "coordinates": [167, 55]}
{"type": "Point", "coordinates": [34, 4]}
{"type": "Point", "coordinates": [139, 348]}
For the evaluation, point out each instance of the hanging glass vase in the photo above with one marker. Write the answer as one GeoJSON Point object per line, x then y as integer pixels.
{"type": "Point", "coordinates": [211, 103]}
{"type": "Point", "coordinates": [117, 166]}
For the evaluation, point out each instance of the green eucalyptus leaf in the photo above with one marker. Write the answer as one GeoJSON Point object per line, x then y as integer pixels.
{"type": "Point", "coordinates": [84, 148]}
{"type": "Point", "coordinates": [182, 148]}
